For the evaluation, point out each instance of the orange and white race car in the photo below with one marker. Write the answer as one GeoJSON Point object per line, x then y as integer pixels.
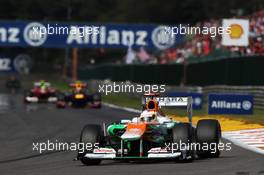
{"type": "Point", "coordinates": [151, 135]}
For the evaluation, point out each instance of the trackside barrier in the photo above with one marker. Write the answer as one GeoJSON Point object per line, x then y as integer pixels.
{"type": "Point", "coordinates": [256, 91]}
{"type": "Point", "coordinates": [240, 71]}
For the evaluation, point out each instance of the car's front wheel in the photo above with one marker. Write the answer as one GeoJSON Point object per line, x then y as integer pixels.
{"type": "Point", "coordinates": [90, 135]}
{"type": "Point", "coordinates": [27, 93]}
{"type": "Point", "coordinates": [182, 136]}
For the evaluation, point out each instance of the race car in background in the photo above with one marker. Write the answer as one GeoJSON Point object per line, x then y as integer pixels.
{"type": "Point", "coordinates": [151, 135]}
{"type": "Point", "coordinates": [41, 92]}
{"type": "Point", "coordinates": [79, 97]}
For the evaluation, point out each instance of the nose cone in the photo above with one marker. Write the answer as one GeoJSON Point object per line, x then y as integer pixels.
{"type": "Point", "coordinates": [134, 131]}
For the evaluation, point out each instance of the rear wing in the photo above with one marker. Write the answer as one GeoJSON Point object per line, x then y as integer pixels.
{"type": "Point", "coordinates": [82, 85]}
{"type": "Point", "coordinates": [37, 84]}
{"type": "Point", "coordinates": [173, 101]}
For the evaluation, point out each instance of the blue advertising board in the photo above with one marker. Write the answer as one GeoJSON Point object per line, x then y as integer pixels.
{"type": "Point", "coordinates": [230, 104]}
{"type": "Point", "coordinates": [6, 64]}
{"type": "Point", "coordinates": [85, 35]}
{"type": "Point", "coordinates": [197, 97]}
{"type": "Point", "coordinates": [21, 63]}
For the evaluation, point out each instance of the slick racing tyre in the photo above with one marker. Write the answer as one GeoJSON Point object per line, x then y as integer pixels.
{"type": "Point", "coordinates": [27, 93]}
{"type": "Point", "coordinates": [96, 101]}
{"type": "Point", "coordinates": [182, 137]}
{"type": "Point", "coordinates": [61, 102]}
{"type": "Point", "coordinates": [91, 135]}
{"type": "Point", "coordinates": [208, 132]}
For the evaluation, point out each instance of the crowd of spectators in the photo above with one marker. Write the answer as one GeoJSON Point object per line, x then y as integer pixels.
{"type": "Point", "coordinates": [201, 45]}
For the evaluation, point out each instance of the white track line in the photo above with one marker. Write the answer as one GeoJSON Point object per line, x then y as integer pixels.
{"type": "Point", "coordinates": [239, 138]}
{"type": "Point", "coordinates": [122, 108]}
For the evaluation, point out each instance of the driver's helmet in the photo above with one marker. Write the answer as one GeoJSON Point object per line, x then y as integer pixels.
{"type": "Point", "coordinates": [78, 86]}
{"type": "Point", "coordinates": [148, 116]}
{"type": "Point", "coordinates": [42, 84]}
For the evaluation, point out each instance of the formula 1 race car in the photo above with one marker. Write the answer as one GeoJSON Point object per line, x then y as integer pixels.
{"type": "Point", "coordinates": [79, 97]}
{"type": "Point", "coordinates": [152, 135]}
{"type": "Point", "coordinates": [41, 92]}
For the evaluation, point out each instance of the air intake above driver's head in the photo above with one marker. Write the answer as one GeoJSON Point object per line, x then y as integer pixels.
{"type": "Point", "coordinates": [151, 105]}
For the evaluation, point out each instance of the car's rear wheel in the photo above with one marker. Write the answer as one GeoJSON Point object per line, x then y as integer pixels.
{"type": "Point", "coordinates": [92, 135]}
{"type": "Point", "coordinates": [97, 98]}
{"type": "Point", "coordinates": [208, 131]}
{"type": "Point", "coordinates": [61, 103]}
{"type": "Point", "coordinates": [182, 136]}
{"type": "Point", "coordinates": [27, 93]}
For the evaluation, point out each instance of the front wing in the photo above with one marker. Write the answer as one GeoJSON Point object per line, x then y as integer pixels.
{"type": "Point", "coordinates": [110, 154]}
{"type": "Point", "coordinates": [36, 99]}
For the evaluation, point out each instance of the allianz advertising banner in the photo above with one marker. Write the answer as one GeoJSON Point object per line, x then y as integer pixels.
{"type": "Point", "coordinates": [230, 104]}
{"type": "Point", "coordinates": [6, 64]}
{"type": "Point", "coordinates": [59, 35]}
{"type": "Point", "coordinates": [197, 97]}
{"type": "Point", "coordinates": [20, 63]}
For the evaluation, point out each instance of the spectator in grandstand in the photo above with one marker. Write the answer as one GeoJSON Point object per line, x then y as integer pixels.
{"type": "Point", "coordinates": [201, 45]}
{"type": "Point", "coordinates": [163, 58]}
{"type": "Point", "coordinates": [143, 56]}
{"type": "Point", "coordinates": [171, 54]}
{"type": "Point", "coordinates": [130, 56]}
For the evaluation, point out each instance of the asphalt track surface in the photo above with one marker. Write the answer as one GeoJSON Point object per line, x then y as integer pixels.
{"type": "Point", "coordinates": [21, 125]}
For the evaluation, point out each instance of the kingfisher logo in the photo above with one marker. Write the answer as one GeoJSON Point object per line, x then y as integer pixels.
{"type": "Point", "coordinates": [230, 104]}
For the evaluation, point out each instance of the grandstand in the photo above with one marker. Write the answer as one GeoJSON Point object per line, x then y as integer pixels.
{"type": "Point", "coordinates": [202, 47]}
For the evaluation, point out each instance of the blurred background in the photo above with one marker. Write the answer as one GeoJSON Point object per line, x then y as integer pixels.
{"type": "Point", "coordinates": [186, 49]}
{"type": "Point", "coordinates": [129, 47]}
{"type": "Point", "coordinates": [223, 73]}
